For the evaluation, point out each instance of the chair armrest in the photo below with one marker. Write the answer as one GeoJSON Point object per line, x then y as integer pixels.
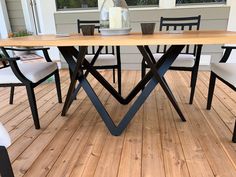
{"type": "Point", "coordinates": [228, 47]}
{"type": "Point", "coordinates": [26, 49]}
{"type": "Point", "coordinates": [44, 49]}
{"type": "Point", "coordinates": [10, 59]}
{"type": "Point", "coordinates": [228, 50]}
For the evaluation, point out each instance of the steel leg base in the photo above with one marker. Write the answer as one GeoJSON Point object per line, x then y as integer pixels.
{"type": "Point", "coordinates": [146, 85]}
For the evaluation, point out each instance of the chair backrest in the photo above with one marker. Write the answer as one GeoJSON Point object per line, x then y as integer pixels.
{"type": "Point", "coordinates": [180, 24]}
{"type": "Point", "coordinates": [93, 49]}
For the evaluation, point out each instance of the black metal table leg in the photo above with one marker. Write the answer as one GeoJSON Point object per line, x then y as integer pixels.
{"type": "Point", "coordinates": [117, 130]}
{"type": "Point", "coordinates": [151, 63]}
{"type": "Point", "coordinates": [148, 84]}
{"type": "Point", "coordinates": [77, 70]}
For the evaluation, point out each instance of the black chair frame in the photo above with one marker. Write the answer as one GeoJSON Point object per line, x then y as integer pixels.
{"type": "Point", "coordinates": [27, 83]}
{"type": "Point", "coordinates": [103, 50]}
{"type": "Point", "coordinates": [181, 23]}
{"type": "Point", "coordinates": [228, 50]}
{"type": "Point", "coordinates": [5, 163]}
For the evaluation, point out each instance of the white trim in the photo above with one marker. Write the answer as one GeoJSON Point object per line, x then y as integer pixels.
{"type": "Point", "coordinates": [232, 27]}
{"type": "Point", "coordinates": [46, 10]}
{"type": "Point", "coordinates": [28, 16]}
{"type": "Point", "coordinates": [5, 26]}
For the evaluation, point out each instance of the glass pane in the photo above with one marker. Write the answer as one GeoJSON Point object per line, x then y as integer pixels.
{"type": "Point", "coordinates": [74, 4]}
{"type": "Point", "coordinates": [142, 2]}
{"type": "Point", "coordinates": [199, 1]}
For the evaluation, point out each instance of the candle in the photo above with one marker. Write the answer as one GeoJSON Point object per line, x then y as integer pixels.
{"type": "Point", "coordinates": [115, 17]}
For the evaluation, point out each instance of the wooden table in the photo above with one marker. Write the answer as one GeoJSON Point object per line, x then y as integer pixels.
{"type": "Point", "coordinates": [146, 85]}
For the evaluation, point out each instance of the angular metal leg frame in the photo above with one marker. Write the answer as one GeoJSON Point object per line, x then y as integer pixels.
{"type": "Point", "coordinates": [148, 84]}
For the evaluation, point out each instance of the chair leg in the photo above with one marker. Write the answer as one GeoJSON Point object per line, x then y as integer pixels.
{"type": "Point", "coordinates": [234, 133]}
{"type": "Point", "coordinates": [33, 106]}
{"type": "Point", "coordinates": [5, 164]}
{"type": "Point", "coordinates": [114, 75]}
{"type": "Point", "coordinates": [119, 78]}
{"type": "Point", "coordinates": [143, 69]}
{"type": "Point", "coordinates": [71, 75]}
{"type": "Point", "coordinates": [211, 90]}
{"type": "Point", "coordinates": [193, 83]}
{"type": "Point", "coordinates": [58, 86]}
{"type": "Point", "coordinates": [12, 95]}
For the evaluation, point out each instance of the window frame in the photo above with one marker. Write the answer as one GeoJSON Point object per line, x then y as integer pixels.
{"type": "Point", "coordinates": [200, 3]}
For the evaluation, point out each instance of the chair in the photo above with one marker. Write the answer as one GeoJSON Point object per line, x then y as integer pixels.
{"type": "Point", "coordinates": [4, 64]}
{"type": "Point", "coordinates": [29, 75]}
{"type": "Point", "coordinates": [225, 72]}
{"type": "Point", "coordinates": [107, 58]}
{"type": "Point", "coordinates": [5, 164]}
{"type": "Point", "coordinates": [187, 60]}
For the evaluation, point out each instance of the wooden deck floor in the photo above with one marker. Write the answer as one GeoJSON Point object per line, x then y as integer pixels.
{"type": "Point", "coordinates": [156, 143]}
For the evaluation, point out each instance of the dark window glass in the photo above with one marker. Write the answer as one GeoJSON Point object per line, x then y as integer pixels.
{"type": "Point", "coordinates": [75, 4]}
{"type": "Point", "coordinates": [199, 1]}
{"type": "Point", "coordinates": [142, 2]}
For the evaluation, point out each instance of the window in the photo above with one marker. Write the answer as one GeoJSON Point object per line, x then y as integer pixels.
{"type": "Point", "coordinates": [85, 4]}
{"type": "Point", "coordinates": [199, 1]}
{"type": "Point", "coordinates": [75, 4]}
{"type": "Point", "coordinates": [142, 2]}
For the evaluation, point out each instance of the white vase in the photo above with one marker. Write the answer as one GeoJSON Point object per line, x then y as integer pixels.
{"type": "Point", "coordinates": [114, 14]}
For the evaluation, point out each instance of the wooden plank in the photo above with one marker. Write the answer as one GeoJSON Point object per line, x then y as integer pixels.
{"type": "Point", "coordinates": [80, 145]}
{"type": "Point", "coordinates": [173, 155]}
{"type": "Point", "coordinates": [131, 156]}
{"type": "Point", "coordinates": [223, 101]}
{"type": "Point", "coordinates": [70, 157]}
{"type": "Point", "coordinates": [108, 164]}
{"type": "Point", "coordinates": [218, 118]}
{"type": "Point", "coordinates": [195, 156]}
{"type": "Point", "coordinates": [60, 139]}
{"type": "Point", "coordinates": [152, 152]}
{"type": "Point", "coordinates": [209, 141]}
{"type": "Point", "coordinates": [88, 160]}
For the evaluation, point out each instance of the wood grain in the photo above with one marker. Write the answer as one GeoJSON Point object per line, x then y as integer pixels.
{"type": "Point", "coordinates": [133, 39]}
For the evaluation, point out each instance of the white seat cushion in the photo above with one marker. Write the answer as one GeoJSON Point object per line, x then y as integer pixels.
{"type": "Point", "coordinates": [103, 59]}
{"type": "Point", "coordinates": [226, 71]}
{"type": "Point", "coordinates": [183, 60]}
{"type": "Point", "coordinates": [4, 137]}
{"type": "Point", "coordinates": [32, 71]}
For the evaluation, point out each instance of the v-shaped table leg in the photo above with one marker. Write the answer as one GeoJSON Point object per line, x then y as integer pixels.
{"type": "Point", "coordinates": [149, 83]}
{"type": "Point", "coordinates": [117, 130]}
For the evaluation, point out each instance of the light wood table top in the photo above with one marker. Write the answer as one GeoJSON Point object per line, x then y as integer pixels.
{"type": "Point", "coordinates": [133, 39]}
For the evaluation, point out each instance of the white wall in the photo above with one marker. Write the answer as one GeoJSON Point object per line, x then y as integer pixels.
{"type": "Point", "coordinates": [232, 26]}
{"type": "Point", "coordinates": [46, 10]}
{"type": "Point", "coordinates": [28, 16]}
{"type": "Point", "coordinates": [4, 19]}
